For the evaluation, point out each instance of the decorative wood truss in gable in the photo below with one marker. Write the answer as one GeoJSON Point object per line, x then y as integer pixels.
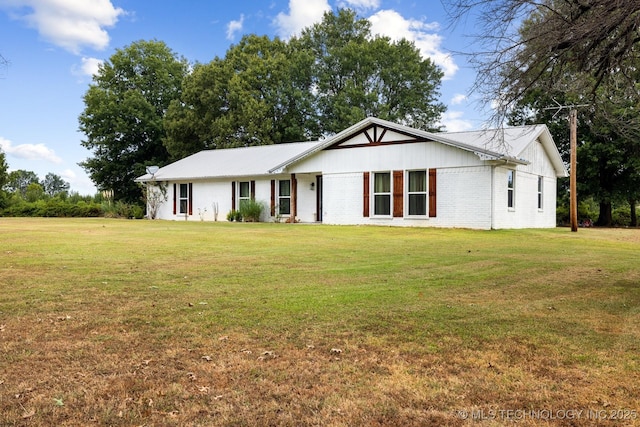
{"type": "Point", "coordinates": [375, 135]}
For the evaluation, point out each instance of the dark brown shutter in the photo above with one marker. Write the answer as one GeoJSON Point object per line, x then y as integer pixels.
{"type": "Point", "coordinates": [233, 195]}
{"type": "Point", "coordinates": [273, 197]}
{"type": "Point", "coordinates": [398, 190]}
{"type": "Point", "coordinates": [253, 190]}
{"type": "Point", "coordinates": [190, 195]}
{"type": "Point", "coordinates": [294, 197]}
{"type": "Point", "coordinates": [432, 193]}
{"type": "Point", "coordinates": [175, 195]}
{"type": "Point", "coordinates": [365, 194]}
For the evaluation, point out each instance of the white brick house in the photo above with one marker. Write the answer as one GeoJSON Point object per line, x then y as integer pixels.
{"type": "Point", "coordinates": [377, 172]}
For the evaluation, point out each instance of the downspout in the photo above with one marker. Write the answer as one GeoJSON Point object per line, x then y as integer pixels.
{"type": "Point", "coordinates": [493, 201]}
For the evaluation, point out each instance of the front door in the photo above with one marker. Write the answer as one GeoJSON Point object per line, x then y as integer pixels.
{"type": "Point", "coordinates": [319, 198]}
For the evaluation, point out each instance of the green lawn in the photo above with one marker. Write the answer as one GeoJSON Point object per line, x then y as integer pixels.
{"type": "Point", "coordinates": [116, 322]}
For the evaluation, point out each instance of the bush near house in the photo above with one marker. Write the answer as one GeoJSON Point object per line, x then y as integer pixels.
{"type": "Point", "coordinates": [251, 210]}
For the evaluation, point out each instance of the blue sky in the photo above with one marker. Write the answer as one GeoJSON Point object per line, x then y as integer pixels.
{"type": "Point", "coordinates": [54, 46]}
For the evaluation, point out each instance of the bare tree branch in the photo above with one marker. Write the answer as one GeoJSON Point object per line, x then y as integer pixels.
{"type": "Point", "coordinates": [519, 41]}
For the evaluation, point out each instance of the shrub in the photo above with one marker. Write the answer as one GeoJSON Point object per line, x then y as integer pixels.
{"type": "Point", "coordinates": [251, 210]}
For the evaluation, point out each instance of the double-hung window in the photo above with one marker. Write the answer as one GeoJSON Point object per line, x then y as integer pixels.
{"type": "Point", "coordinates": [417, 193]}
{"type": "Point", "coordinates": [540, 192]}
{"type": "Point", "coordinates": [244, 192]}
{"type": "Point", "coordinates": [184, 198]}
{"type": "Point", "coordinates": [382, 193]}
{"type": "Point", "coordinates": [511, 189]}
{"type": "Point", "coordinates": [284, 197]}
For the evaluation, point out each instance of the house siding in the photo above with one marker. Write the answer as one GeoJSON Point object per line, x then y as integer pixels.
{"type": "Point", "coordinates": [525, 213]}
{"type": "Point", "coordinates": [470, 188]}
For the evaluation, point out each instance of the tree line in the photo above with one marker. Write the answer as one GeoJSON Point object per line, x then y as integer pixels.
{"type": "Point", "coordinates": [22, 193]}
{"type": "Point", "coordinates": [148, 106]}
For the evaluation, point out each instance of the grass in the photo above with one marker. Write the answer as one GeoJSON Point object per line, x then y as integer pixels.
{"type": "Point", "coordinates": [116, 322]}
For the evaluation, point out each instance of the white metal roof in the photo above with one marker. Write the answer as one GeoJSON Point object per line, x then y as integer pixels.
{"type": "Point", "coordinates": [502, 144]}
{"type": "Point", "coordinates": [229, 162]}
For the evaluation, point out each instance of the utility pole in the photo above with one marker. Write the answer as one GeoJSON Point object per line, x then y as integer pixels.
{"type": "Point", "coordinates": [573, 193]}
{"type": "Point", "coordinates": [573, 140]}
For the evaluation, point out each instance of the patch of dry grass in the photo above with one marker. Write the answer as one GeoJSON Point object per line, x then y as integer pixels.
{"type": "Point", "coordinates": [111, 322]}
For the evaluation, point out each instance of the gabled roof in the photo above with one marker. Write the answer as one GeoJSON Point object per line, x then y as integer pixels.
{"type": "Point", "coordinates": [512, 141]}
{"type": "Point", "coordinates": [501, 145]}
{"type": "Point", "coordinates": [229, 162]}
{"type": "Point", "coordinates": [504, 145]}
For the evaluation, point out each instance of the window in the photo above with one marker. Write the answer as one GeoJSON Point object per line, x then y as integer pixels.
{"type": "Point", "coordinates": [417, 193]}
{"type": "Point", "coordinates": [540, 188]}
{"type": "Point", "coordinates": [184, 198]}
{"type": "Point", "coordinates": [382, 193]}
{"type": "Point", "coordinates": [244, 193]}
{"type": "Point", "coordinates": [511, 188]}
{"type": "Point", "coordinates": [284, 197]}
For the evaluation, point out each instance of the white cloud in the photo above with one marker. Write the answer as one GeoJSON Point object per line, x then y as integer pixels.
{"type": "Point", "coordinates": [393, 25]}
{"type": "Point", "coordinates": [70, 24]}
{"type": "Point", "coordinates": [302, 14]}
{"type": "Point", "coordinates": [29, 151]}
{"type": "Point", "coordinates": [453, 122]}
{"type": "Point", "coordinates": [79, 182]}
{"type": "Point", "coordinates": [359, 5]}
{"type": "Point", "coordinates": [233, 27]}
{"type": "Point", "coordinates": [89, 67]}
{"type": "Point", "coordinates": [458, 99]}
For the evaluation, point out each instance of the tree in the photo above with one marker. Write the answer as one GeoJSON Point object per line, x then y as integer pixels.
{"type": "Point", "coordinates": [123, 115]}
{"type": "Point", "coordinates": [258, 94]}
{"type": "Point", "coordinates": [54, 184]}
{"type": "Point", "coordinates": [357, 75]}
{"type": "Point", "coordinates": [4, 178]}
{"type": "Point", "coordinates": [595, 40]}
{"type": "Point", "coordinates": [268, 91]}
{"type": "Point", "coordinates": [4, 167]}
{"type": "Point", "coordinates": [609, 161]}
{"type": "Point", "coordinates": [34, 192]}
{"type": "Point", "coordinates": [19, 180]}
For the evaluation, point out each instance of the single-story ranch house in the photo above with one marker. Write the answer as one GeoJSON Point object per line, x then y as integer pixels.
{"type": "Point", "coordinates": [376, 172]}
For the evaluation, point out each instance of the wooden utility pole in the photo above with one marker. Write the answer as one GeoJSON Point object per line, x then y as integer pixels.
{"type": "Point", "coordinates": [573, 201]}
{"type": "Point", "coordinates": [573, 140]}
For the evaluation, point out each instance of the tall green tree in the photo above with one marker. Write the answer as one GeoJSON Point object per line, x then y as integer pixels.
{"type": "Point", "coordinates": [4, 178]}
{"type": "Point", "coordinates": [259, 93]}
{"type": "Point", "coordinates": [4, 167]}
{"type": "Point", "coordinates": [19, 180]}
{"type": "Point", "coordinates": [608, 157]}
{"type": "Point", "coordinates": [53, 185]}
{"type": "Point", "coordinates": [357, 75]}
{"type": "Point", "coordinates": [123, 116]}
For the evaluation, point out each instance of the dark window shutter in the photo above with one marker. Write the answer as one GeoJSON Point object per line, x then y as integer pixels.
{"type": "Point", "coordinates": [294, 197]}
{"type": "Point", "coordinates": [365, 188]}
{"type": "Point", "coordinates": [190, 200]}
{"type": "Point", "coordinates": [253, 190]}
{"type": "Point", "coordinates": [233, 195]}
{"type": "Point", "coordinates": [175, 195]}
{"type": "Point", "coordinates": [432, 193]}
{"type": "Point", "coordinates": [273, 197]}
{"type": "Point", "coordinates": [398, 190]}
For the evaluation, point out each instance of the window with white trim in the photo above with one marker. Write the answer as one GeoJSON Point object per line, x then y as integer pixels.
{"type": "Point", "coordinates": [284, 197]}
{"type": "Point", "coordinates": [244, 192]}
{"type": "Point", "coordinates": [382, 193]}
{"type": "Point", "coordinates": [511, 189]}
{"type": "Point", "coordinates": [417, 193]}
{"type": "Point", "coordinates": [540, 192]}
{"type": "Point", "coordinates": [184, 198]}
